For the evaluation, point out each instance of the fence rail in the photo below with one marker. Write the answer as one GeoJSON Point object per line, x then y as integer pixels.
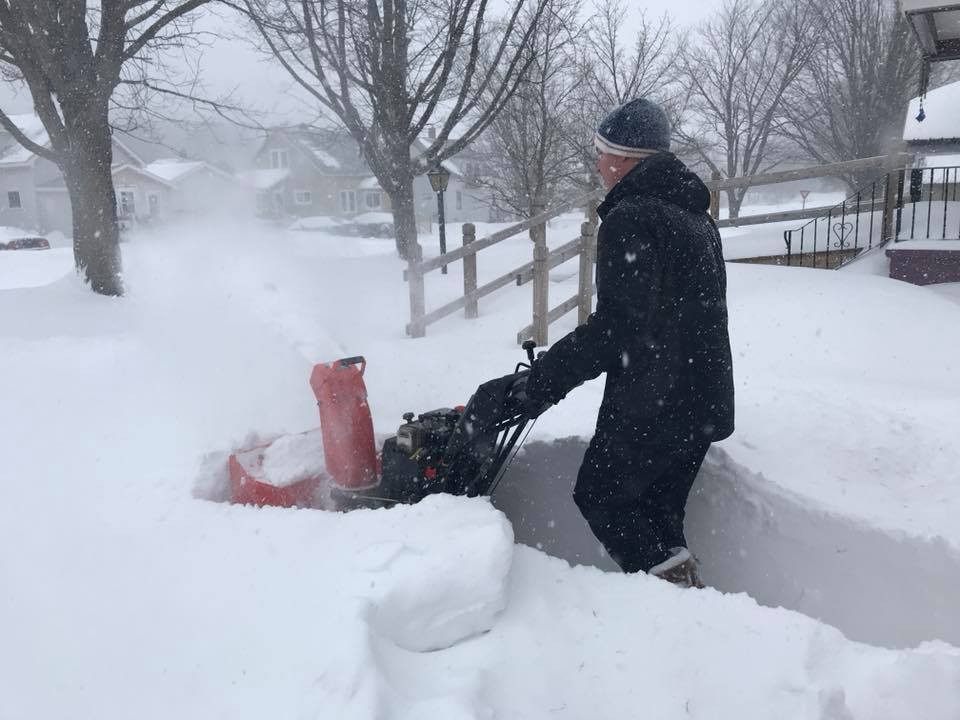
{"type": "Point", "coordinates": [535, 271]}
{"type": "Point", "coordinates": [817, 171]}
{"type": "Point", "coordinates": [869, 220]}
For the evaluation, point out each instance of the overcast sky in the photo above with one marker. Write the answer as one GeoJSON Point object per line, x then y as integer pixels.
{"type": "Point", "coordinates": [230, 65]}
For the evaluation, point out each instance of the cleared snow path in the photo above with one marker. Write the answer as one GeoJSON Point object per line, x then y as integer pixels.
{"type": "Point", "coordinates": [877, 587]}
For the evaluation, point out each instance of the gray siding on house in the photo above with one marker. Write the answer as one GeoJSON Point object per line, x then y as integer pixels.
{"type": "Point", "coordinates": [142, 188]}
{"type": "Point", "coordinates": [45, 171]}
{"type": "Point", "coordinates": [473, 206]}
{"type": "Point", "coordinates": [44, 198]}
{"type": "Point", "coordinates": [54, 211]}
{"type": "Point", "coordinates": [306, 176]}
{"type": "Point", "coordinates": [329, 166]}
{"type": "Point", "coordinates": [19, 180]}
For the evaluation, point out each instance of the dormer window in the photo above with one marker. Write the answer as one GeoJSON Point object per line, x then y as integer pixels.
{"type": "Point", "coordinates": [279, 159]}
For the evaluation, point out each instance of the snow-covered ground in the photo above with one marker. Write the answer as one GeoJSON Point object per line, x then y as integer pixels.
{"type": "Point", "coordinates": [124, 594]}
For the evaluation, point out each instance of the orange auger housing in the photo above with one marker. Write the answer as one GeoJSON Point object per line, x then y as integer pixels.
{"type": "Point", "coordinates": [346, 428]}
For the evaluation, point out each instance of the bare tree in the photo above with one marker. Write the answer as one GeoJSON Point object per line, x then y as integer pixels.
{"type": "Point", "coordinates": [617, 69]}
{"type": "Point", "coordinates": [852, 99]}
{"type": "Point", "coordinates": [738, 70]}
{"type": "Point", "coordinates": [527, 147]}
{"type": "Point", "coordinates": [388, 68]}
{"type": "Point", "coordinates": [72, 57]}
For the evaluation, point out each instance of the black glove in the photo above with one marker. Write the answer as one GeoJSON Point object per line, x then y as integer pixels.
{"type": "Point", "coordinates": [531, 407]}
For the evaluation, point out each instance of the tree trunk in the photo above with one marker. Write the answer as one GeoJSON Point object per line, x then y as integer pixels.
{"type": "Point", "coordinates": [404, 219]}
{"type": "Point", "coordinates": [96, 235]}
{"type": "Point", "coordinates": [734, 201]}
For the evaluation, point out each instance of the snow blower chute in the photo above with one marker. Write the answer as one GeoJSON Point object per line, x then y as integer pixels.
{"type": "Point", "coordinates": [462, 450]}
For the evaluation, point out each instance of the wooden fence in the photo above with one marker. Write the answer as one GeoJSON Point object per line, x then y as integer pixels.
{"type": "Point", "coordinates": [537, 271]}
{"type": "Point", "coordinates": [717, 185]}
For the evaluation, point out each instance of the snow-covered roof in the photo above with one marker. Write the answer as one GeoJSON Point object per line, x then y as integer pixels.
{"type": "Point", "coordinates": [142, 172]}
{"type": "Point", "coordinates": [422, 143]}
{"type": "Point", "coordinates": [370, 183]}
{"type": "Point", "coordinates": [950, 160]}
{"type": "Point", "coordinates": [58, 184]}
{"type": "Point", "coordinates": [264, 179]}
{"type": "Point", "coordinates": [13, 153]}
{"type": "Point", "coordinates": [334, 151]}
{"type": "Point", "coordinates": [170, 169]}
{"type": "Point", "coordinates": [322, 156]}
{"type": "Point", "coordinates": [942, 121]}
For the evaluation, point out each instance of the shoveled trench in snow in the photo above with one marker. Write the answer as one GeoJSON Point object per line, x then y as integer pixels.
{"type": "Point", "coordinates": [877, 587]}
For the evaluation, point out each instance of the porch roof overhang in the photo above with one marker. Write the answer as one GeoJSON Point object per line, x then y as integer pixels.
{"type": "Point", "coordinates": [936, 24]}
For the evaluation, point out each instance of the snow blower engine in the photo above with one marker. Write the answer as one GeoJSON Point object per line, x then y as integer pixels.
{"type": "Point", "coordinates": [463, 450]}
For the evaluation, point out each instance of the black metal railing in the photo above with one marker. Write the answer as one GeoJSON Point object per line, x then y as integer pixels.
{"type": "Point", "coordinates": [908, 204]}
{"type": "Point", "coordinates": [933, 211]}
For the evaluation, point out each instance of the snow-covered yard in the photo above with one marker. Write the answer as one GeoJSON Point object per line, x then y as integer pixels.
{"type": "Point", "coordinates": [123, 593]}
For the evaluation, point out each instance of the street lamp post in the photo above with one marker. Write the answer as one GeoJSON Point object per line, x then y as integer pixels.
{"type": "Point", "coordinates": [439, 178]}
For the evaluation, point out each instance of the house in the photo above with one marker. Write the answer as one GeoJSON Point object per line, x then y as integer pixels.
{"type": "Point", "coordinates": [308, 172]}
{"type": "Point", "coordinates": [195, 187]}
{"type": "Point", "coordinates": [932, 201]}
{"type": "Point", "coordinates": [32, 191]}
{"type": "Point", "coordinates": [33, 194]}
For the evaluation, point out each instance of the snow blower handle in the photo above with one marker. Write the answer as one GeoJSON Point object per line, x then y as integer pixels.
{"type": "Point", "coordinates": [529, 346]}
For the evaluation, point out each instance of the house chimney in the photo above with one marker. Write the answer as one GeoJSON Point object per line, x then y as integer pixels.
{"type": "Point", "coordinates": [432, 132]}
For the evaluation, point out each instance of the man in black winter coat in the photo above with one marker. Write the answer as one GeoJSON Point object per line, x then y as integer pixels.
{"type": "Point", "coordinates": [660, 334]}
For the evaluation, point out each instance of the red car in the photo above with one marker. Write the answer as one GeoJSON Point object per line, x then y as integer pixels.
{"type": "Point", "coordinates": [27, 243]}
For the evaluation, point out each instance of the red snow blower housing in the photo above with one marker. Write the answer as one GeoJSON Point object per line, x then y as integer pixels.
{"type": "Point", "coordinates": [462, 450]}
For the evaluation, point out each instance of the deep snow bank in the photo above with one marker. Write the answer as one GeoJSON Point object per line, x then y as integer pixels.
{"type": "Point", "coordinates": [887, 589]}
{"type": "Point", "coordinates": [121, 594]}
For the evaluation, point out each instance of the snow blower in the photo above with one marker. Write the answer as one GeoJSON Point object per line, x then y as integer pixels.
{"type": "Point", "coordinates": [462, 450]}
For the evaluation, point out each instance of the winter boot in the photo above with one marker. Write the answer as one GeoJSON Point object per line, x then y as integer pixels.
{"type": "Point", "coordinates": [680, 569]}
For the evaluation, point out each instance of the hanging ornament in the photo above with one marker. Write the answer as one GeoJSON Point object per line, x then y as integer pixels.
{"type": "Point", "coordinates": [924, 82]}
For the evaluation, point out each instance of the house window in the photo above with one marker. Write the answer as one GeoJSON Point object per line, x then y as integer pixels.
{"type": "Point", "coordinates": [303, 197]}
{"type": "Point", "coordinates": [13, 200]}
{"type": "Point", "coordinates": [279, 159]}
{"type": "Point", "coordinates": [459, 200]}
{"type": "Point", "coordinates": [374, 201]}
{"type": "Point", "coordinates": [348, 201]}
{"type": "Point", "coordinates": [126, 203]}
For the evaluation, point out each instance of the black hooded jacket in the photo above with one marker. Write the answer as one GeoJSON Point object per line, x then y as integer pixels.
{"type": "Point", "coordinates": [660, 327]}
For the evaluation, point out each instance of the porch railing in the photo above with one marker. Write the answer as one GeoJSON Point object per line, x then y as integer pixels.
{"type": "Point", "coordinates": [904, 204]}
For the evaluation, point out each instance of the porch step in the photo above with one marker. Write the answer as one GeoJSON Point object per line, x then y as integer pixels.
{"type": "Point", "coordinates": [925, 263]}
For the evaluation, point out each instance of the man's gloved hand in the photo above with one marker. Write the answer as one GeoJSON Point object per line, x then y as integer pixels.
{"type": "Point", "coordinates": [529, 406]}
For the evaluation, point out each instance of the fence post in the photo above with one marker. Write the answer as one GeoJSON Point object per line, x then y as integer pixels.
{"type": "Point", "coordinates": [588, 249]}
{"type": "Point", "coordinates": [715, 195]}
{"type": "Point", "coordinates": [470, 309]}
{"type": "Point", "coordinates": [416, 328]}
{"type": "Point", "coordinates": [541, 274]}
{"type": "Point", "coordinates": [887, 231]}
